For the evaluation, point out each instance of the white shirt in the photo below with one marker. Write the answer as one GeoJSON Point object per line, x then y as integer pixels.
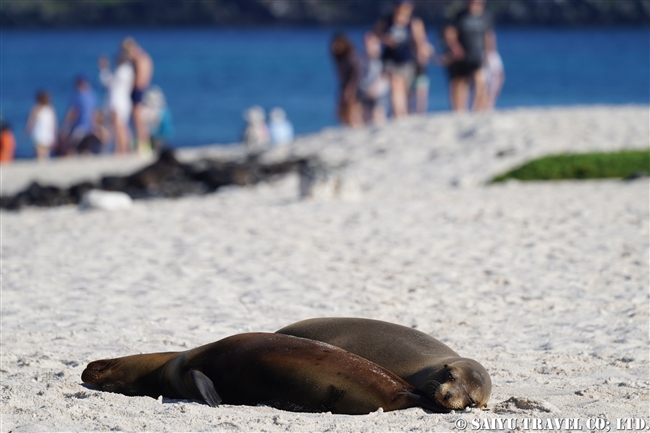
{"type": "Point", "coordinates": [44, 128]}
{"type": "Point", "coordinates": [120, 86]}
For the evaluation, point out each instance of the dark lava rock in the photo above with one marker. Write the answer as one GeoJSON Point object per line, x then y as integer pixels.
{"type": "Point", "coordinates": [165, 178]}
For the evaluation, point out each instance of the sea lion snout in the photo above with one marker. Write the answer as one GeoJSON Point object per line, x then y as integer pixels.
{"type": "Point", "coordinates": [462, 383]}
{"type": "Point", "coordinates": [100, 373]}
{"type": "Point", "coordinates": [128, 375]}
{"type": "Point", "coordinates": [93, 371]}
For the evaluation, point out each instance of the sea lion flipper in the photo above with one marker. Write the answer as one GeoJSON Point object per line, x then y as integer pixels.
{"type": "Point", "coordinates": [206, 388]}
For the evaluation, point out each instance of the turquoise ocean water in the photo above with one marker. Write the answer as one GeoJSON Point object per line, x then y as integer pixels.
{"type": "Point", "coordinates": [210, 76]}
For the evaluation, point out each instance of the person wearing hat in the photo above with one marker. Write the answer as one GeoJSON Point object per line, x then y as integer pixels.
{"type": "Point", "coordinates": [405, 45]}
{"type": "Point", "coordinates": [78, 121]}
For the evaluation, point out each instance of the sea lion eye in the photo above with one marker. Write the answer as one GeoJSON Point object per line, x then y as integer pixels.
{"type": "Point", "coordinates": [450, 376]}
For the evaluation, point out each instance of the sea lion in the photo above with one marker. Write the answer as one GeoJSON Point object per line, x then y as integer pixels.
{"type": "Point", "coordinates": [278, 370]}
{"type": "Point", "coordinates": [421, 360]}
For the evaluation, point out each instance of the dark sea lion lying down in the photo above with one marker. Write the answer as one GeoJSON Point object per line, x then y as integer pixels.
{"type": "Point", "coordinates": [278, 370]}
{"type": "Point", "coordinates": [426, 363]}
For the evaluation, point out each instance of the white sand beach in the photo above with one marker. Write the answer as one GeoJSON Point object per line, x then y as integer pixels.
{"type": "Point", "coordinates": [544, 283]}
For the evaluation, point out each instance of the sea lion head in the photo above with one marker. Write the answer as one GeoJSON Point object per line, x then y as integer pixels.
{"type": "Point", "coordinates": [461, 383]}
{"type": "Point", "coordinates": [130, 375]}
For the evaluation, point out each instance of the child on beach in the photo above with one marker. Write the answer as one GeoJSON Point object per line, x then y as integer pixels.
{"type": "Point", "coordinates": [280, 127]}
{"type": "Point", "coordinates": [158, 117]}
{"type": "Point", "coordinates": [256, 135]}
{"type": "Point", "coordinates": [373, 84]}
{"type": "Point", "coordinates": [7, 143]}
{"type": "Point", "coordinates": [420, 89]}
{"type": "Point", "coordinates": [42, 126]}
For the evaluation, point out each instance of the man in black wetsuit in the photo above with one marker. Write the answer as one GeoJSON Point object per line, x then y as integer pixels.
{"type": "Point", "coordinates": [465, 37]}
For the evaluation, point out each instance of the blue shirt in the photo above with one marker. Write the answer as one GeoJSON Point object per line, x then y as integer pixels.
{"type": "Point", "coordinates": [281, 131]}
{"type": "Point", "coordinates": [84, 104]}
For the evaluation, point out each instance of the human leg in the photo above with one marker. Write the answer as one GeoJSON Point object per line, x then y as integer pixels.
{"type": "Point", "coordinates": [141, 130]}
{"type": "Point", "coordinates": [121, 134]}
{"type": "Point", "coordinates": [480, 91]}
{"type": "Point", "coordinates": [420, 92]}
{"type": "Point", "coordinates": [398, 95]}
{"type": "Point", "coordinates": [494, 89]}
{"type": "Point", "coordinates": [459, 93]}
{"type": "Point", "coordinates": [379, 114]}
{"type": "Point", "coordinates": [422, 98]}
{"type": "Point", "coordinates": [42, 152]}
{"type": "Point", "coordinates": [350, 113]}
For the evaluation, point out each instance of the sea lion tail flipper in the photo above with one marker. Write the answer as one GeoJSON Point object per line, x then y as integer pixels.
{"type": "Point", "coordinates": [206, 388]}
{"type": "Point", "coordinates": [418, 400]}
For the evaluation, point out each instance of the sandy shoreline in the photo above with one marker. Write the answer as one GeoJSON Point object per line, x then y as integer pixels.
{"type": "Point", "coordinates": [545, 284]}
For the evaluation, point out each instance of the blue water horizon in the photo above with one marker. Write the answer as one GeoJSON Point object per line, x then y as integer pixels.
{"type": "Point", "coordinates": [211, 75]}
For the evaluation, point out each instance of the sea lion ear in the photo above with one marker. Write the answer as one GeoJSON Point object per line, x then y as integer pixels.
{"type": "Point", "coordinates": [206, 388]}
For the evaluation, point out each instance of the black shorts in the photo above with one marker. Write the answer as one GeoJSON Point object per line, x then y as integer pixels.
{"type": "Point", "coordinates": [90, 143]}
{"type": "Point", "coordinates": [136, 96]}
{"type": "Point", "coordinates": [463, 69]}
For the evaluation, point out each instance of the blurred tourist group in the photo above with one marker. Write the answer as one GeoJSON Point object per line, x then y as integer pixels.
{"type": "Point", "coordinates": [259, 134]}
{"type": "Point", "coordinates": [133, 118]}
{"type": "Point", "coordinates": [391, 74]}
{"type": "Point", "coordinates": [389, 78]}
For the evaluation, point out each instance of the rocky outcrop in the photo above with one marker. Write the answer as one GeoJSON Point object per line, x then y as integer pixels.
{"type": "Point", "coordinates": [165, 178]}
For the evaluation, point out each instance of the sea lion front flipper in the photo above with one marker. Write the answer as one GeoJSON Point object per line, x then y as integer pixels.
{"type": "Point", "coordinates": [424, 402]}
{"type": "Point", "coordinates": [206, 388]}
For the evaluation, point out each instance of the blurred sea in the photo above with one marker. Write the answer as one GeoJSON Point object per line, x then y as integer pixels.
{"type": "Point", "coordinates": [210, 76]}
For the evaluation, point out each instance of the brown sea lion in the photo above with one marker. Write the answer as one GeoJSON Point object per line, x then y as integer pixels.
{"type": "Point", "coordinates": [278, 370]}
{"type": "Point", "coordinates": [421, 360]}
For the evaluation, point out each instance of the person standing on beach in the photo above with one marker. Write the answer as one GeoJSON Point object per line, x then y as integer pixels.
{"type": "Point", "coordinates": [420, 90]}
{"type": "Point", "coordinates": [143, 65]}
{"type": "Point", "coordinates": [256, 135]}
{"type": "Point", "coordinates": [494, 71]}
{"type": "Point", "coordinates": [7, 143]}
{"type": "Point", "coordinates": [42, 126]}
{"type": "Point", "coordinates": [373, 84]}
{"type": "Point", "coordinates": [158, 118]}
{"type": "Point", "coordinates": [405, 45]}
{"type": "Point", "coordinates": [78, 121]}
{"type": "Point", "coordinates": [348, 71]}
{"type": "Point", "coordinates": [119, 84]}
{"type": "Point", "coordinates": [466, 39]}
{"type": "Point", "coordinates": [280, 128]}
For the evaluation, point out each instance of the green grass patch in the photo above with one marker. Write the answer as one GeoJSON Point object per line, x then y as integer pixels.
{"type": "Point", "coordinates": [623, 164]}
